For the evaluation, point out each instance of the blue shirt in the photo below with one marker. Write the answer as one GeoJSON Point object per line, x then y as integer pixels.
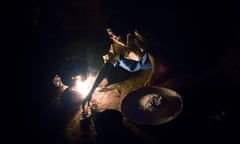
{"type": "Point", "coordinates": [132, 65]}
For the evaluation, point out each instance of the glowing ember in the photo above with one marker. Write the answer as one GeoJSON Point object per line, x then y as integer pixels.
{"type": "Point", "coordinates": [82, 86]}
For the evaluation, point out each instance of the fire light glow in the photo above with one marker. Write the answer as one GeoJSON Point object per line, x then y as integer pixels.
{"type": "Point", "coordinates": [84, 86]}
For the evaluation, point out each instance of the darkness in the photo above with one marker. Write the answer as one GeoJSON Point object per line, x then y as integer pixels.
{"type": "Point", "coordinates": [197, 37]}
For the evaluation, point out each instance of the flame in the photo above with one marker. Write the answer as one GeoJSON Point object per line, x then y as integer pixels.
{"type": "Point", "coordinates": [83, 86]}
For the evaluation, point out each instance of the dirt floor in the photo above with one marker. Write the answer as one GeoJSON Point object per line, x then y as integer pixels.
{"type": "Point", "coordinates": [207, 116]}
{"type": "Point", "coordinates": [107, 99]}
{"type": "Point", "coordinates": [108, 125]}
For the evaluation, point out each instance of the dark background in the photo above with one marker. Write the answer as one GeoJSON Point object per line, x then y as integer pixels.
{"type": "Point", "coordinates": [200, 36]}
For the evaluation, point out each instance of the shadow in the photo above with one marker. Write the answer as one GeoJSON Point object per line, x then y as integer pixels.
{"type": "Point", "coordinates": [47, 124]}
{"type": "Point", "coordinates": [110, 129]}
{"type": "Point", "coordinates": [73, 66]}
{"type": "Point", "coordinates": [71, 100]}
{"type": "Point", "coordinates": [115, 75]}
